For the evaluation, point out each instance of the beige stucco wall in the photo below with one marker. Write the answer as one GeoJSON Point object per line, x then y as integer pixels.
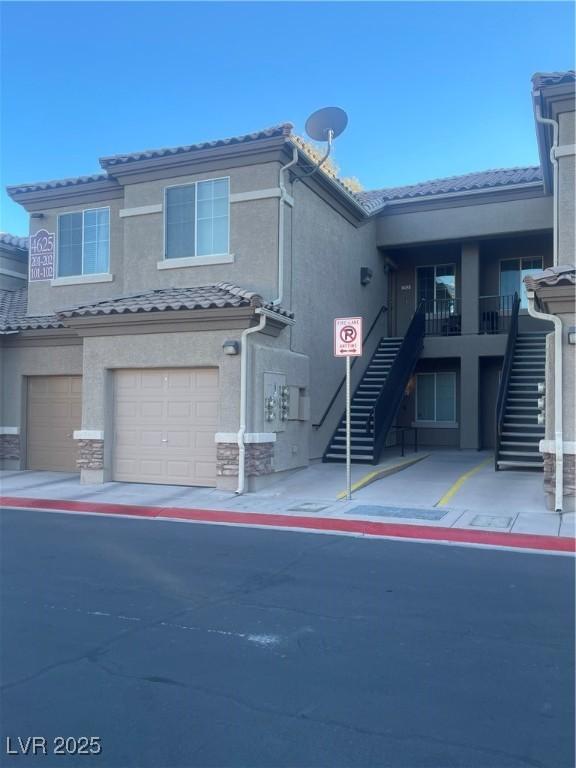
{"type": "Point", "coordinates": [253, 234]}
{"type": "Point", "coordinates": [327, 253]}
{"type": "Point", "coordinates": [103, 354]}
{"type": "Point", "coordinates": [137, 242]}
{"type": "Point", "coordinates": [464, 221]}
{"type": "Point", "coordinates": [16, 363]}
{"type": "Point", "coordinates": [566, 191]}
{"type": "Point", "coordinates": [45, 298]}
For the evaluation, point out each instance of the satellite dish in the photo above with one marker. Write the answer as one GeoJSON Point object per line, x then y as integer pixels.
{"type": "Point", "coordinates": [326, 123]}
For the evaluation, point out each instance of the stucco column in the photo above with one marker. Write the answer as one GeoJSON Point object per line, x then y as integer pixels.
{"type": "Point", "coordinates": [470, 286]}
{"type": "Point", "coordinates": [469, 402]}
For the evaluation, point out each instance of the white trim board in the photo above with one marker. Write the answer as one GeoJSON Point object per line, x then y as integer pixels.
{"type": "Point", "coordinates": [140, 210]}
{"type": "Point", "coordinates": [88, 434]}
{"type": "Point", "coordinates": [249, 437]}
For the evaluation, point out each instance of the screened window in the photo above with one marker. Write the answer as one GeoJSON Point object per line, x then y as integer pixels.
{"type": "Point", "coordinates": [436, 397]}
{"type": "Point", "coordinates": [437, 288]}
{"type": "Point", "coordinates": [512, 274]}
{"type": "Point", "coordinates": [197, 219]}
{"type": "Point", "coordinates": [84, 242]}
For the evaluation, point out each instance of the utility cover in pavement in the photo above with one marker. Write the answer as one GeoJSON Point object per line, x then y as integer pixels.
{"type": "Point", "coordinates": [404, 512]}
{"type": "Point", "coordinates": [490, 521]}
{"type": "Point", "coordinates": [308, 506]}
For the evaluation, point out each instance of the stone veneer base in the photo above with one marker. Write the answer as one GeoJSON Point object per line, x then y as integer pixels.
{"type": "Point", "coordinates": [90, 454]}
{"type": "Point", "coordinates": [259, 458]}
{"type": "Point", "coordinates": [9, 447]}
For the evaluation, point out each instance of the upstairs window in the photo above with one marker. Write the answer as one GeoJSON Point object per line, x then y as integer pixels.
{"type": "Point", "coordinates": [512, 274]}
{"type": "Point", "coordinates": [197, 219]}
{"type": "Point", "coordinates": [84, 242]}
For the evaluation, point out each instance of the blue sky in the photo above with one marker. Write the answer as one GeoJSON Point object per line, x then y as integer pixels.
{"type": "Point", "coordinates": [431, 89]}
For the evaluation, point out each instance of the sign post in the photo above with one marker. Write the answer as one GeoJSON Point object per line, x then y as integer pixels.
{"type": "Point", "coordinates": [348, 343]}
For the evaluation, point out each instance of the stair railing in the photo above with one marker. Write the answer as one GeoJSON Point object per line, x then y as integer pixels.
{"type": "Point", "coordinates": [383, 412]}
{"type": "Point", "coordinates": [382, 309]}
{"type": "Point", "coordinates": [505, 377]}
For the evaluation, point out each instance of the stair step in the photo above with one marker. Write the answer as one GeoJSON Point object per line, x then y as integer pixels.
{"type": "Point", "coordinates": [520, 464]}
{"type": "Point", "coordinates": [520, 453]}
{"type": "Point", "coordinates": [507, 444]}
{"type": "Point", "coordinates": [523, 434]}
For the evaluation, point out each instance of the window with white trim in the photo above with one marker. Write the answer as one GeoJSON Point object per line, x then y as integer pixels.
{"type": "Point", "coordinates": [197, 219]}
{"type": "Point", "coordinates": [436, 397]}
{"type": "Point", "coordinates": [84, 242]}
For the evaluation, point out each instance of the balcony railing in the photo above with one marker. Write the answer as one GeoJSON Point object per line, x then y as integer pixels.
{"type": "Point", "coordinates": [443, 317]}
{"type": "Point", "coordinates": [495, 313]}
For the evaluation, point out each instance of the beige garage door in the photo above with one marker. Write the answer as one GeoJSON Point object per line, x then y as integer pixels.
{"type": "Point", "coordinates": [164, 426]}
{"type": "Point", "coordinates": [54, 412]}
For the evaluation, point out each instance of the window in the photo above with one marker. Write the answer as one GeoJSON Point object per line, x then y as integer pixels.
{"type": "Point", "coordinates": [437, 288]}
{"type": "Point", "coordinates": [197, 219]}
{"type": "Point", "coordinates": [512, 274]}
{"type": "Point", "coordinates": [84, 242]}
{"type": "Point", "coordinates": [436, 397]}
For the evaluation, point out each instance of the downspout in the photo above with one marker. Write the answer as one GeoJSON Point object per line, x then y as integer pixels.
{"type": "Point", "coordinates": [554, 161]}
{"type": "Point", "coordinates": [558, 431]}
{"type": "Point", "coordinates": [283, 199]}
{"type": "Point", "coordinates": [533, 312]}
{"type": "Point", "coordinates": [243, 400]}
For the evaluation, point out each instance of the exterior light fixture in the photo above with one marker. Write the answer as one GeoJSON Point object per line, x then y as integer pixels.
{"type": "Point", "coordinates": [572, 334]}
{"type": "Point", "coordinates": [231, 347]}
{"type": "Point", "coordinates": [365, 275]}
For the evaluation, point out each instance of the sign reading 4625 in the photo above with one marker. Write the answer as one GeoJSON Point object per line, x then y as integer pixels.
{"type": "Point", "coordinates": [42, 251]}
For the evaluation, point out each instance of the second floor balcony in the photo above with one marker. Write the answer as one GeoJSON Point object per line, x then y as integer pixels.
{"type": "Point", "coordinates": [444, 317]}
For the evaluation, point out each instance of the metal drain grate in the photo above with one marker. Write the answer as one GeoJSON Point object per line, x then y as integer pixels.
{"type": "Point", "coordinates": [401, 512]}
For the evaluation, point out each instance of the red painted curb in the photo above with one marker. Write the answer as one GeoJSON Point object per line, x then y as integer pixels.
{"type": "Point", "coordinates": [366, 527]}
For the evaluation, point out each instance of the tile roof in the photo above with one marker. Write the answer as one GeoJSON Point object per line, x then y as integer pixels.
{"type": "Point", "coordinates": [541, 79]}
{"type": "Point", "coordinates": [562, 275]}
{"type": "Point", "coordinates": [284, 129]}
{"type": "Point", "coordinates": [13, 307]}
{"type": "Point", "coordinates": [483, 180]}
{"type": "Point", "coordinates": [14, 240]}
{"type": "Point", "coordinates": [37, 186]}
{"type": "Point", "coordinates": [218, 296]}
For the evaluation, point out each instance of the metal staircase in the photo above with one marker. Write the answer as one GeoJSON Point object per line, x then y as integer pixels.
{"type": "Point", "coordinates": [520, 434]}
{"type": "Point", "coordinates": [363, 401]}
{"type": "Point", "coordinates": [378, 396]}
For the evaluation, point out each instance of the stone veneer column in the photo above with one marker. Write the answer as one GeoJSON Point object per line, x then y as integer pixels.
{"type": "Point", "coordinates": [90, 458]}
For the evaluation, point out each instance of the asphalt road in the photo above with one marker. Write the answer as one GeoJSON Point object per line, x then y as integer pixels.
{"type": "Point", "coordinates": [196, 645]}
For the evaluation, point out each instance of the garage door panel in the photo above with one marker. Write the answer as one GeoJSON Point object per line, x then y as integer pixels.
{"type": "Point", "coordinates": [206, 411]}
{"type": "Point", "coordinates": [170, 422]}
{"type": "Point", "coordinates": [152, 409]}
{"type": "Point", "coordinates": [54, 411]}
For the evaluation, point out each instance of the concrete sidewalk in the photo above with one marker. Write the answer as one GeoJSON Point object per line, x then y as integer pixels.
{"type": "Point", "coordinates": [423, 494]}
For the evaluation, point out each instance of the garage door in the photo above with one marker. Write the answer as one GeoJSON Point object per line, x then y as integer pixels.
{"type": "Point", "coordinates": [164, 426]}
{"type": "Point", "coordinates": [54, 412]}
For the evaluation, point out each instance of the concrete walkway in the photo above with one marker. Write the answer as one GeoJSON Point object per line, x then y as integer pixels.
{"type": "Point", "coordinates": [447, 489]}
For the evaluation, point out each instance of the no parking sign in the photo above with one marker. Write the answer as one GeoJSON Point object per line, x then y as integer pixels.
{"type": "Point", "coordinates": [348, 336]}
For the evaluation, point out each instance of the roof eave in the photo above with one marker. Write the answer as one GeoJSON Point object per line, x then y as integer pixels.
{"type": "Point", "coordinates": [504, 190]}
